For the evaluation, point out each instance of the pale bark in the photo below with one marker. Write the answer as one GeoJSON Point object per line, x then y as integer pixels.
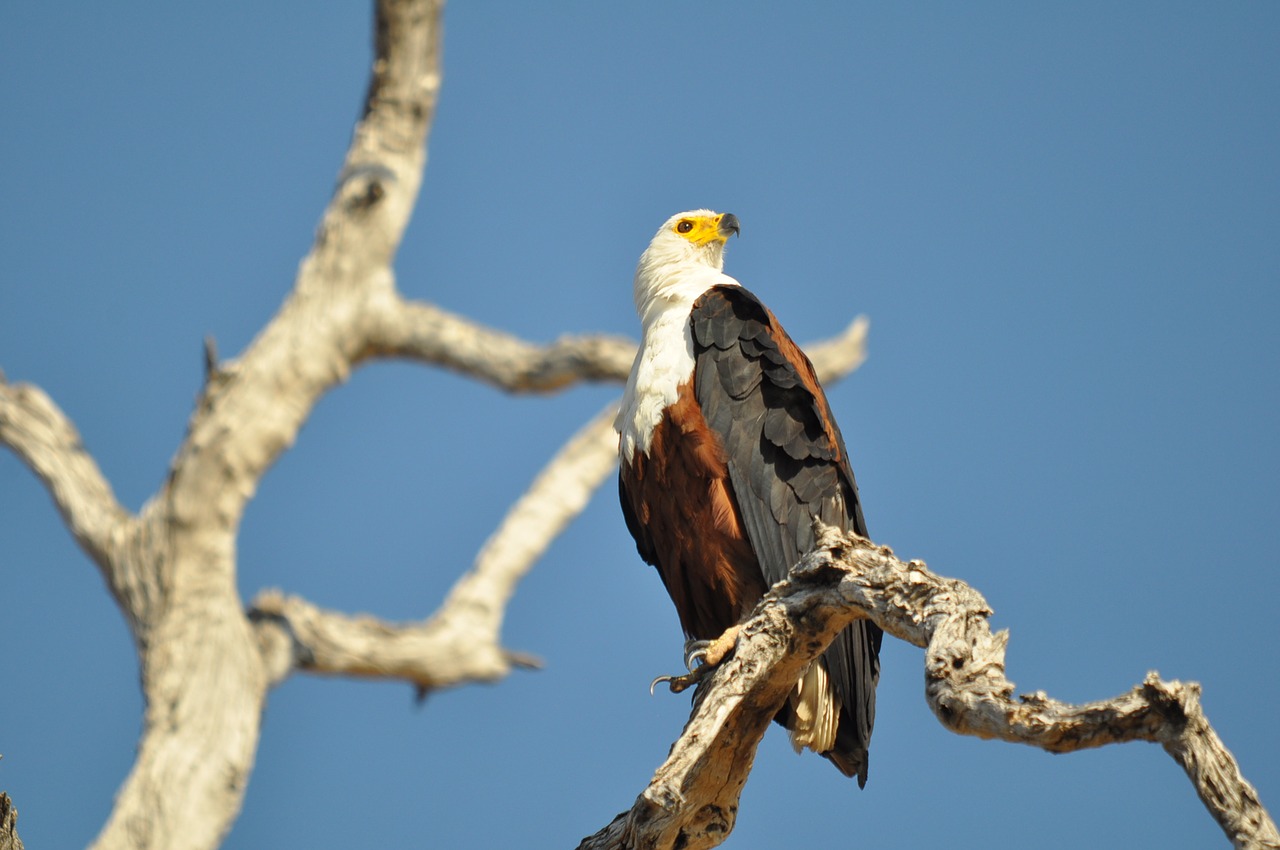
{"type": "Point", "coordinates": [429, 334]}
{"type": "Point", "coordinates": [207, 663]}
{"type": "Point", "coordinates": [460, 642]}
{"type": "Point", "coordinates": [173, 567]}
{"type": "Point", "coordinates": [692, 800]}
{"type": "Point", "coordinates": [9, 839]}
{"type": "Point", "coordinates": [38, 432]}
{"type": "Point", "coordinates": [204, 677]}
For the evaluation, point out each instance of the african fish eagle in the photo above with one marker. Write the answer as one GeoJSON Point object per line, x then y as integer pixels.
{"type": "Point", "coordinates": [728, 450]}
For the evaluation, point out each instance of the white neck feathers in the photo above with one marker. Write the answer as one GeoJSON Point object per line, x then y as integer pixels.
{"type": "Point", "coordinates": [668, 280]}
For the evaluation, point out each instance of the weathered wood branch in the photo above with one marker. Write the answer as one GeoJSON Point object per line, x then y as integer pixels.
{"type": "Point", "coordinates": [297, 635]}
{"type": "Point", "coordinates": [460, 643]}
{"type": "Point", "coordinates": [9, 839]}
{"type": "Point", "coordinates": [204, 677]}
{"type": "Point", "coordinates": [836, 357]}
{"type": "Point", "coordinates": [206, 667]}
{"type": "Point", "coordinates": [692, 800]}
{"type": "Point", "coordinates": [43, 438]}
{"type": "Point", "coordinates": [429, 334]}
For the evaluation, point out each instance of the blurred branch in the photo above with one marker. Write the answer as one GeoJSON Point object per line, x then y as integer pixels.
{"type": "Point", "coordinates": [460, 643]}
{"type": "Point", "coordinates": [558, 494]}
{"type": "Point", "coordinates": [840, 355]}
{"type": "Point", "coordinates": [295, 634]}
{"type": "Point", "coordinates": [426, 333]}
{"type": "Point", "coordinates": [204, 675]}
{"type": "Point", "coordinates": [205, 667]}
{"type": "Point", "coordinates": [692, 800]}
{"type": "Point", "coordinates": [43, 438]}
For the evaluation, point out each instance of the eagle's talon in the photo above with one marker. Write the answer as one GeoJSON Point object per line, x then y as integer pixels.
{"type": "Point", "coordinates": [695, 654]}
{"type": "Point", "coordinates": [701, 657]}
{"type": "Point", "coordinates": [710, 653]}
{"type": "Point", "coordinates": [678, 684]}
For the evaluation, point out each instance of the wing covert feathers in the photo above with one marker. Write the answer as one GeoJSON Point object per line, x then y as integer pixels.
{"type": "Point", "coordinates": [722, 498]}
{"type": "Point", "coordinates": [786, 464]}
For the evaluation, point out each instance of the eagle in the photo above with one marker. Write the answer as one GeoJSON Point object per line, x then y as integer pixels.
{"type": "Point", "coordinates": [728, 452]}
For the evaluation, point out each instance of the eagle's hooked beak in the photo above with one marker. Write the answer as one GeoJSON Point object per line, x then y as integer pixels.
{"type": "Point", "coordinates": [729, 225]}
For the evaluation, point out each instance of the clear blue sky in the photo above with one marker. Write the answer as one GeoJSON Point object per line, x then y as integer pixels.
{"type": "Point", "coordinates": [1062, 219]}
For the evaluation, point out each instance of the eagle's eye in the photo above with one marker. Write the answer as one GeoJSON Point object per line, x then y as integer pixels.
{"type": "Point", "coordinates": [684, 226]}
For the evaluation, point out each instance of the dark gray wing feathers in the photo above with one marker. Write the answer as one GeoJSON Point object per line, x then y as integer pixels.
{"type": "Point", "coordinates": [785, 469]}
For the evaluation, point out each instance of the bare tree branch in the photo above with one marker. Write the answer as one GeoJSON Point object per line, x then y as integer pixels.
{"type": "Point", "coordinates": [559, 493]}
{"type": "Point", "coordinates": [692, 801]}
{"type": "Point", "coordinates": [836, 357]}
{"type": "Point", "coordinates": [204, 676]}
{"type": "Point", "coordinates": [429, 334]}
{"type": "Point", "coordinates": [254, 410]}
{"type": "Point", "coordinates": [45, 440]}
{"type": "Point", "coordinates": [206, 667]}
{"type": "Point", "coordinates": [460, 643]}
{"type": "Point", "coordinates": [431, 655]}
{"type": "Point", "coordinates": [9, 839]}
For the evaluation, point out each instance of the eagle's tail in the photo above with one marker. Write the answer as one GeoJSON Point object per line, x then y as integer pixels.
{"type": "Point", "coordinates": [814, 711]}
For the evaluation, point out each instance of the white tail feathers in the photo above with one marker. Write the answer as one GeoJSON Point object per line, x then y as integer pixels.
{"type": "Point", "coordinates": [813, 712]}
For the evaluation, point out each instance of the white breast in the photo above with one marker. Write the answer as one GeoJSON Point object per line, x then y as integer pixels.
{"type": "Point", "coordinates": [663, 363]}
{"type": "Point", "coordinates": [664, 298]}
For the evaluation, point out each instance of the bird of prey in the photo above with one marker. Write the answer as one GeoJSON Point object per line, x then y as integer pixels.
{"type": "Point", "coordinates": [728, 451]}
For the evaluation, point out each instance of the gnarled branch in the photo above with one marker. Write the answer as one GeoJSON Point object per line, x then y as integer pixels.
{"type": "Point", "coordinates": [692, 801]}
{"type": "Point", "coordinates": [9, 839]}
{"type": "Point", "coordinates": [206, 667]}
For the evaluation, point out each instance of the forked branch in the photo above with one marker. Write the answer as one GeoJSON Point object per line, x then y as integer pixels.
{"type": "Point", "coordinates": [461, 642]}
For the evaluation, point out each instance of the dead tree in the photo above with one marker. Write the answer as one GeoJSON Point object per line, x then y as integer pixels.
{"type": "Point", "coordinates": [208, 660]}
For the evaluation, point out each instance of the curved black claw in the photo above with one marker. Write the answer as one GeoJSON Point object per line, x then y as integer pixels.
{"type": "Point", "coordinates": [695, 661]}
{"type": "Point", "coordinates": [682, 683]}
{"type": "Point", "coordinates": [695, 653]}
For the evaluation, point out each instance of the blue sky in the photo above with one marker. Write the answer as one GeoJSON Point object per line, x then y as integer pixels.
{"type": "Point", "coordinates": [1061, 219]}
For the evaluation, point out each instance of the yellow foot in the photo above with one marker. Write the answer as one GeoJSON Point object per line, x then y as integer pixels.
{"type": "Point", "coordinates": [709, 653]}
{"type": "Point", "coordinates": [700, 657]}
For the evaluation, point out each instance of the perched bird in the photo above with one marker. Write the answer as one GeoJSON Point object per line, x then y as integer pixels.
{"type": "Point", "coordinates": [728, 450]}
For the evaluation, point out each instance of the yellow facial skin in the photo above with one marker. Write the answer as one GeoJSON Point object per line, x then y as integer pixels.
{"type": "Point", "coordinates": [705, 229]}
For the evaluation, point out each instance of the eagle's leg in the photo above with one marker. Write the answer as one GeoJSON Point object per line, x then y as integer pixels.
{"type": "Point", "coordinates": [700, 657]}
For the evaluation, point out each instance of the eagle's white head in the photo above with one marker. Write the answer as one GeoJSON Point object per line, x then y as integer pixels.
{"type": "Point", "coordinates": [684, 260]}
